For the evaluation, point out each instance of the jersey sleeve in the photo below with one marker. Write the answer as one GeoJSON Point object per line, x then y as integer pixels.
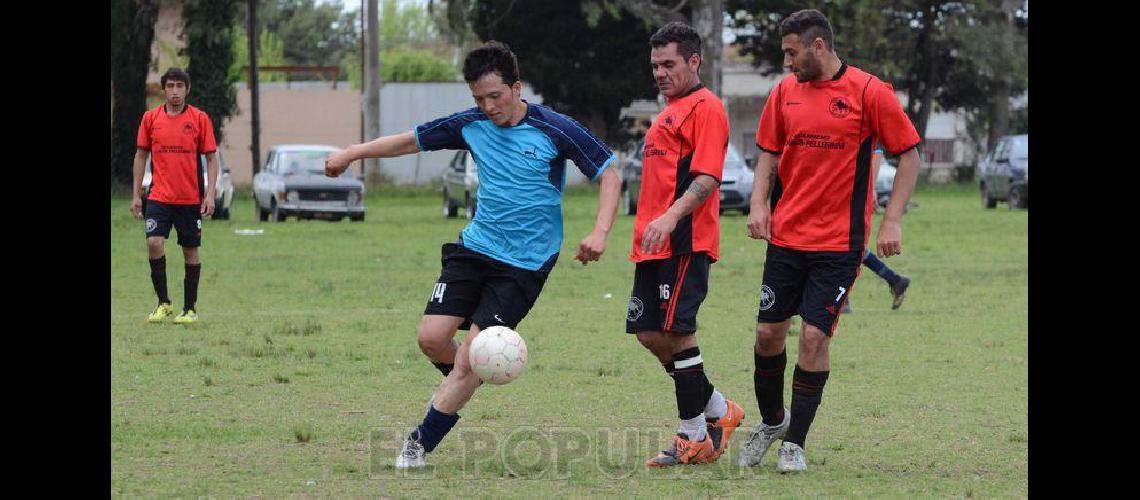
{"type": "Point", "coordinates": [710, 140]}
{"type": "Point", "coordinates": [770, 134]}
{"type": "Point", "coordinates": [890, 124]}
{"type": "Point", "coordinates": [206, 142]}
{"type": "Point", "coordinates": [143, 140]}
{"type": "Point", "coordinates": [446, 132]}
{"type": "Point", "coordinates": [590, 154]}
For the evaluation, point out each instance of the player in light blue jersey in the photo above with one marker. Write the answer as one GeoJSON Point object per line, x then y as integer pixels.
{"type": "Point", "coordinates": [493, 274]}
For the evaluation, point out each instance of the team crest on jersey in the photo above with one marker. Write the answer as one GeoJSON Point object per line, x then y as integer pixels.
{"type": "Point", "coordinates": [150, 225]}
{"type": "Point", "coordinates": [669, 120]}
{"type": "Point", "coordinates": [767, 298]}
{"type": "Point", "coordinates": [636, 309]}
{"type": "Point", "coordinates": [840, 107]}
{"type": "Point", "coordinates": [188, 129]}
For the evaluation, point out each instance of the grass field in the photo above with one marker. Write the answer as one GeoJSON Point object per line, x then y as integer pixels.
{"type": "Point", "coordinates": [304, 374]}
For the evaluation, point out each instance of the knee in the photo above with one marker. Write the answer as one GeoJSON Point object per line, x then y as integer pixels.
{"type": "Point", "coordinates": [649, 340]}
{"type": "Point", "coordinates": [432, 343]}
{"type": "Point", "coordinates": [769, 336]}
{"type": "Point", "coordinates": [813, 341]}
{"type": "Point", "coordinates": [154, 244]}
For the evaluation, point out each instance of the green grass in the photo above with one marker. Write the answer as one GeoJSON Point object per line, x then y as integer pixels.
{"type": "Point", "coordinates": [303, 374]}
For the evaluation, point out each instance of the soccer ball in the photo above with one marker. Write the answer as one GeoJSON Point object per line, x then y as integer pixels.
{"type": "Point", "coordinates": [498, 355]}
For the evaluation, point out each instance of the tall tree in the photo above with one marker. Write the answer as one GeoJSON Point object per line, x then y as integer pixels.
{"type": "Point", "coordinates": [209, 31]}
{"type": "Point", "coordinates": [130, 57]}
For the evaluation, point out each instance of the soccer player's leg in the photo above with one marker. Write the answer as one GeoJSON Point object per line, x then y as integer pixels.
{"type": "Point", "coordinates": [831, 276]}
{"type": "Point", "coordinates": [157, 226]}
{"type": "Point", "coordinates": [897, 282]}
{"type": "Point", "coordinates": [453, 299]}
{"type": "Point", "coordinates": [188, 222]}
{"type": "Point", "coordinates": [781, 294]}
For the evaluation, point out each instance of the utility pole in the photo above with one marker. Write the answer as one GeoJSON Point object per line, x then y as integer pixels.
{"type": "Point", "coordinates": [372, 86]}
{"type": "Point", "coordinates": [255, 118]}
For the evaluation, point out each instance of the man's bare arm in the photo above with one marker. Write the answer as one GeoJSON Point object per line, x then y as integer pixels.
{"type": "Point", "coordinates": [384, 147]}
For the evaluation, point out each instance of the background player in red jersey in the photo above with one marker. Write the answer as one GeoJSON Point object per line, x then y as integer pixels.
{"type": "Point", "coordinates": [174, 135]}
{"type": "Point", "coordinates": [822, 126]}
{"type": "Point", "coordinates": [676, 238]}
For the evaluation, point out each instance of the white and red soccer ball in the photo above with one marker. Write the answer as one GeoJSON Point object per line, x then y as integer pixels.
{"type": "Point", "coordinates": [498, 355]}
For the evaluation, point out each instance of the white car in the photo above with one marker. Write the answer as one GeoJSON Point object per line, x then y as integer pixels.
{"type": "Point", "coordinates": [224, 193]}
{"type": "Point", "coordinates": [293, 182]}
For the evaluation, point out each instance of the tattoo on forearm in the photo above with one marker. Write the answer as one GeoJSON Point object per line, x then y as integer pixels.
{"type": "Point", "coordinates": [700, 191]}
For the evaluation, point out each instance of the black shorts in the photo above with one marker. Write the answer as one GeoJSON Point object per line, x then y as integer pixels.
{"type": "Point", "coordinates": [187, 219]}
{"type": "Point", "coordinates": [812, 284]}
{"type": "Point", "coordinates": [482, 290]}
{"type": "Point", "coordinates": [667, 294]}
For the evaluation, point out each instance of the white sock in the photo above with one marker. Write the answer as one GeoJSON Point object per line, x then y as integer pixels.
{"type": "Point", "coordinates": [716, 407]}
{"type": "Point", "coordinates": [693, 427]}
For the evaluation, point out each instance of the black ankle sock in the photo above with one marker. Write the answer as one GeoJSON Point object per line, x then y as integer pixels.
{"type": "Point", "coordinates": [158, 279]}
{"type": "Point", "coordinates": [190, 285]}
{"type": "Point", "coordinates": [807, 392]}
{"type": "Point", "coordinates": [444, 368]}
{"type": "Point", "coordinates": [768, 381]}
{"type": "Point", "coordinates": [692, 387]}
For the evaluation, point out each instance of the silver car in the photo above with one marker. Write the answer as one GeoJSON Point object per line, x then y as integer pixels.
{"type": "Point", "coordinates": [1003, 175]}
{"type": "Point", "coordinates": [461, 185]}
{"type": "Point", "coordinates": [293, 182]}
{"type": "Point", "coordinates": [224, 193]}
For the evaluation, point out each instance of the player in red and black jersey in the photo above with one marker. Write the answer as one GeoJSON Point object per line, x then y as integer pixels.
{"type": "Point", "coordinates": [676, 238]}
{"type": "Point", "coordinates": [821, 123]}
{"type": "Point", "coordinates": [174, 135]}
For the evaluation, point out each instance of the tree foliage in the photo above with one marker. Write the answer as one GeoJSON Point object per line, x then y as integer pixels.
{"type": "Point", "coordinates": [130, 58]}
{"type": "Point", "coordinates": [209, 39]}
{"type": "Point", "coordinates": [587, 64]}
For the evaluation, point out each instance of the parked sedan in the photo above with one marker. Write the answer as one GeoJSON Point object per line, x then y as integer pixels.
{"type": "Point", "coordinates": [224, 193]}
{"type": "Point", "coordinates": [460, 185]}
{"type": "Point", "coordinates": [293, 182]}
{"type": "Point", "coordinates": [1003, 175]}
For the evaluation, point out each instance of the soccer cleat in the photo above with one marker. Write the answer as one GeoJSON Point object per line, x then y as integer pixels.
{"type": "Point", "coordinates": [186, 318]}
{"type": "Point", "coordinates": [163, 311]}
{"type": "Point", "coordinates": [897, 291]}
{"type": "Point", "coordinates": [762, 438]}
{"type": "Point", "coordinates": [683, 451]}
{"type": "Point", "coordinates": [791, 458]}
{"type": "Point", "coordinates": [721, 430]}
{"type": "Point", "coordinates": [412, 455]}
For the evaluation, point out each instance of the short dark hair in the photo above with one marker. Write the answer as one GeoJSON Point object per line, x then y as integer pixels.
{"type": "Point", "coordinates": [492, 57]}
{"type": "Point", "coordinates": [175, 74]}
{"type": "Point", "coordinates": [809, 24]}
{"type": "Point", "coordinates": [687, 39]}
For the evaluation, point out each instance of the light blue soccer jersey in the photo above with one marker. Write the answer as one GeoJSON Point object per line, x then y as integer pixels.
{"type": "Point", "coordinates": [521, 177]}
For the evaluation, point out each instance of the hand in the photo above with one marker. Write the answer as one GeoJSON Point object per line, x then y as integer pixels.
{"type": "Point", "coordinates": [337, 163]}
{"type": "Point", "coordinates": [760, 224]}
{"type": "Point", "coordinates": [890, 239]}
{"type": "Point", "coordinates": [136, 207]}
{"type": "Point", "coordinates": [208, 206]}
{"type": "Point", "coordinates": [657, 233]}
{"type": "Point", "coordinates": [591, 248]}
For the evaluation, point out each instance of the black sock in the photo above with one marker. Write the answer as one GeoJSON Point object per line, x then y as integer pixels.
{"type": "Point", "coordinates": [158, 279]}
{"type": "Point", "coordinates": [768, 381]}
{"type": "Point", "coordinates": [807, 391]}
{"type": "Point", "coordinates": [693, 388]}
{"type": "Point", "coordinates": [190, 284]}
{"type": "Point", "coordinates": [434, 427]}
{"type": "Point", "coordinates": [668, 368]}
{"type": "Point", "coordinates": [444, 368]}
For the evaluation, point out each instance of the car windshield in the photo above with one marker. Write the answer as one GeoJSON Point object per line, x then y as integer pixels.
{"type": "Point", "coordinates": [1020, 149]}
{"type": "Point", "coordinates": [732, 160]}
{"type": "Point", "coordinates": [303, 162]}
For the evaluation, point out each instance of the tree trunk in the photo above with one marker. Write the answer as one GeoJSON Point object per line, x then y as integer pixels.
{"type": "Point", "coordinates": [708, 21]}
{"type": "Point", "coordinates": [130, 58]}
{"type": "Point", "coordinates": [1000, 103]}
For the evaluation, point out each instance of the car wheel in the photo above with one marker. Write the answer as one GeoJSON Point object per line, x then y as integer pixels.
{"type": "Point", "coordinates": [221, 213]}
{"type": "Point", "coordinates": [469, 207]}
{"type": "Point", "coordinates": [628, 207]}
{"type": "Point", "coordinates": [987, 201]}
{"type": "Point", "coordinates": [746, 210]}
{"type": "Point", "coordinates": [278, 215]}
{"type": "Point", "coordinates": [449, 210]}
{"type": "Point", "coordinates": [262, 214]}
{"type": "Point", "coordinates": [356, 218]}
{"type": "Point", "coordinates": [1016, 200]}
